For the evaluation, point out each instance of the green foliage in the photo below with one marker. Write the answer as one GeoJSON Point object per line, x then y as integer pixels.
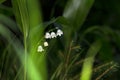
{"type": "Point", "coordinates": [73, 56]}
{"type": "Point", "coordinates": [88, 63]}
{"type": "Point", "coordinates": [105, 70]}
{"type": "Point", "coordinates": [31, 25]}
{"type": "Point", "coordinates": [1, 1]}
{"type": "Point", "coordinates": [76, 11]}
{"type": "Point", "coordinates": [11, 48]}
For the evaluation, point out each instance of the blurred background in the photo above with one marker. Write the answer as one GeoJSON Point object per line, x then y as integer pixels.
{"type": "Point", "coordinates": [102, 23]}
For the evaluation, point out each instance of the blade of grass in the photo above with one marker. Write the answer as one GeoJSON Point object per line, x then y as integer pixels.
{"type": "Point", "coordinates": [36, 38]}
{"type": "Point", "coordinates": [29, 18]}
{"type": "Point", "coordinates": [20, 51]}
{"type": "Point", "coordinates": [23, 20]}
{"type": "Point", "coordinates": [76, 11]}
{"type": "Point", "coordinates": [106, 71]}
{"type": "Point", "coordinates": [88, 62]}
{"type": "Point", "coordinates": [13, 41]}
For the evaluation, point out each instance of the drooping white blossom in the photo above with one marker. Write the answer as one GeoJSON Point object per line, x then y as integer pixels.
{"type": "Point", "coordinates": [47, 35]}
{"type": "Point", "coordinates": [40, 49]}
{"type": "Point", "coordinates": [59, 32]}
{"type": "Point", "coordinates": [45, 44]}
{"type": "Point", "coordinates": [53, 35]}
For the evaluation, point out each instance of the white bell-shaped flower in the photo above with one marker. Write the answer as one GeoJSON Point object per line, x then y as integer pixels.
{"type": "Point", "coordinates": [40, 48]}
{"type": "Point", "coordinates": [53, 35]}
{"type": "Point", "coordinates": [45, 44]}
{"type": "Point", "coordinates": [59, 32]}
{"type": "Point", "coordinates": [47, 35]}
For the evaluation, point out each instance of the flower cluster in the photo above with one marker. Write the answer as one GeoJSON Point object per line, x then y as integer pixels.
{"type": "Point", "coordinates": [40, 48]}
{"type": "Point", "coordinates": [49, 36]}
{"type": "Point", "coordinates": [53, 34]}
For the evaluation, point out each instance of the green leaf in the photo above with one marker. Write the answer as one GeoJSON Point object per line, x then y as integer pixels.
{"type": "Point", "coordinates": [29, 17]}
{"type": "Point", "coordinates": [88, 62]}
{"type": "Point", "coordinates": [14, 44]}
{"type": "Point", "coordinates": [76, 11]}
{"type": "Point", "coordinates": [21, 15]}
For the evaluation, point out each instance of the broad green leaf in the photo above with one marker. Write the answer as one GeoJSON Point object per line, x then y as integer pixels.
{"type": "Point", "coordinates": [21, 15]}
{"type": "Point", "coordinates": [36, 38]}
{"type": "Point", "coordinates": [89, 59]}
{"type": "Point", "coordinates": [76, 11]}
{"type": "Point", "coordinates": [28, 16]}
